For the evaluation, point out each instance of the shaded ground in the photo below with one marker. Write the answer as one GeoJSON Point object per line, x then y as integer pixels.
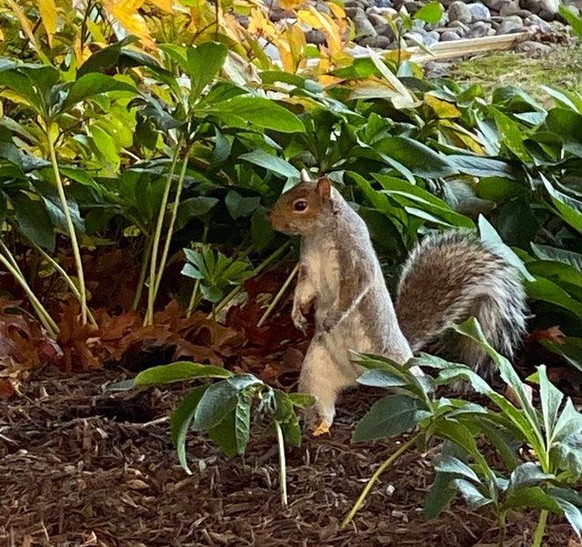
{"type": "Point", "coordinates": [80, 466]}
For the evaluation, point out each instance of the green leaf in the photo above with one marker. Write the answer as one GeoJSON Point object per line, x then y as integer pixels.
{"type": "Point", "coordinates": [93, 84]}
{"type": "Point", "coordinates": [302, 400]}
{"type": "Point", "coordinates": [217, 402]}
{"type": "Point", "coordinates": [551, 399]}
{"type": "Point", "coordinates": [239, 206]}
{"type": "Point", "coordinates": [513, 135]}
{"type": "Point", "coordinates": [481, 167]}
{"type": "Point", "coordinates": [527, 474]}
{"type": "Point", "coordinates": [450, 464]}
{"type": "Point", "coordinates": [569, 209]}
{"type": "Point", "coordinates": [256, 113]}
{"type": "Point", "coordinates": [545, 252]}
{"type": "Point", "coordinates": [33, 221]}
{"type": "Point", "coordinates": [390, 416]}
{"type": "Point", "coordinates": [471, 493]}
{"type": "Point", "coordinates": [569, 348]}
{"type": "Point", "coordinates": [573, 20]}
{"type": "Point", "coordinates": [430, 13]}
{"type": "Point", "coordinates": [569, 422]}
{"type": "Point", "coordinates": [272, 163]}
{"type": "Point", "coordinates": [491, 238]}
{"type": "Point", "coordinates": [548, 291]}
{"type": "Point", "coordinates": [233, 432]}
{"type": "Point", "coordinates": [572, 514]}
{"type": "Point", "coordinates": [381, 378]}
{"type": "Point", "coordinates": [204, 62]}
{"type": "Point", "coordinates": [568, 455]}
{"type": "Point", "coordinates": [181, 420]}
{"type": "Point", "coordinates": [417, 157]}
{"type": "Point", "coordinates": [532, 497]}
{"type": "Point", "coordinates": [175, 372]}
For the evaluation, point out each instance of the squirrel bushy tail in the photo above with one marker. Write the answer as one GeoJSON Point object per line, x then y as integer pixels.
{"type": "Point", "coordinates": [450, 277]}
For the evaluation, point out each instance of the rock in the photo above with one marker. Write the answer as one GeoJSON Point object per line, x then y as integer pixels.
{"type": "Point", "coordinates": [459, 11]}
{"type": "Point", "coordinates": [536, 21]}
{"type": "Point", "coordinates": [496, 5]}
{"type": "Point", "coordinates": [432, 38]}
{"type": "Point", "coordinates": [386, 31]}
{"type": "Point", "coordinates": [377, 20]}
{"type": "Point", "coordinates": [534, 49]}
{"type": "Point", "coordinates": [449, 36]}
{"type": "Point", "coordinates": [414, 38]}
{"type": "Point", "coordinates": [509, 27]}
{"type": "Point", "coordinates": [461, 28]}
{"type": "Point", "coordinates": [511, 8]}
{"type": "Point", "coordinates": [413, 7]}
{"type": "Point", "coordinates": [446, 3]}
{"type": "Point", "coordinates": [382, 3]}
{"type": "Point", "coordinates": [376, 41]}
{"type": "Point", "coordinates": [547, 15]}
{"type": "Point", "coordinates": [352, 12]}
{"type": "Point", "coordinates": [355, 4]}
{"type": "Point", "coordinates": [363, 27]}
{"type": "Point", "coordinates": [315, 37]}
{"type": "Point", "coordinates": [479, 30]}
{"type": "Point", "coordinates": [531, 5]}
{"type": "Point", "coordinates": [479, 12]}
{"type": "Point", "coordinates": [382, 11]}
{"type": "Point", "coordinates": [322, 8]}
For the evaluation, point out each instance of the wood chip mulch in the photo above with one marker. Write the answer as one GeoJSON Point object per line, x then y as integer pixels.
{"type": "Point", "coordinates": [81, 466]}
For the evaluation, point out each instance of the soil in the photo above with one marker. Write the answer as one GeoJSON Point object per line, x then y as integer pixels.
{"type": "Point", "coordinates": [82, 466]}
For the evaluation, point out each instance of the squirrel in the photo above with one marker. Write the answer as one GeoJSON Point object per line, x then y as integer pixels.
{"type": "Point", "coordinates": [446, 279]}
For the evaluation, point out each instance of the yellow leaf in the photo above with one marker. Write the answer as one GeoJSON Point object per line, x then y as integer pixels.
{"type": "Point", "coordinates": [461, 137]}
{"type": "Point", "coordinates": [442, 109]}
{"type": "Point", "coordinates": [125, 12]}
{"type": "Point", "coordinates": [24, 22]}
{"type": "Point", "coordinates": [48, 13]}
{"type": "Point", "coordinates": [291, 4]}
{"type": "Point", "coordinates": [164, 5]}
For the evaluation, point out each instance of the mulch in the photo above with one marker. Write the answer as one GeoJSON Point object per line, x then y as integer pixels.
{"type": "Point", "coordinates": [82, 466]}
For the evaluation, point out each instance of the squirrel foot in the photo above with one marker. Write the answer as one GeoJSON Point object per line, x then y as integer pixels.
{"type": "Point", "coordinates": [321, 429]}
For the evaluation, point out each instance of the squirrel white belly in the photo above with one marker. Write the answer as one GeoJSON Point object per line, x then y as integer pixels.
{"type": "Point", "coordinates": [446, 279]}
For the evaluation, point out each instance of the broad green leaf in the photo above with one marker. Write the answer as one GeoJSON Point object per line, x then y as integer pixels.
{"type": "Point", "coordinates": [551, 399]}
{"type": "Point", "coordinates": [532, 497]}
{"type": "Point", "coordinates": [34, 221]}
{"type": "Point", "coordinates": [513, 135]}
{"type": "Point", "coordinates": [471, 493]}
{"type": "Point", "coordinates": [180, 370]}
{"type": "Point", "coordinates": [417, 157]}
{"type": "Point", "coordinates": [569, 208]}
{"type": "Point", "coordinates": [548, 291]}
{"type": "Point", "coordinates": [239, 206]}
{"type": "Point", "coordinates": [93, 84]}
{"type": "Point", "coordinates": [572, 514]}
{"type": "Point", "coordinates": [243, 381]}
{"type": "Point", "coordinates": [381, 378]}
{"type": "Point", "coordinates": [390, 416]}
{"type": "Point", "coordinates": [233, 432]}
{"type": "Point", "coordinates": [256, 113]}
{"type": "Point", "coordinates": [481, 166]}
{"type": "Point", "coordinates": [569, 348]}
{"type": "Point", "coordinates": [491, 238]}
{"type": "Point", "coordinates": [573, 20]}
{"type": "Point", "coordinates": [218, 401]}
{"type": "Point", "coordinates": [545, 252]}
{"type": "Point", "coordinates": [569, 422]}
{"type": "Point", "coordinates": [527, 474]}
{"type": "Point", "coordinates": [204, 63]}
{"type": "Point", "coordinates": [181, 420]}
{"type": "Point", "coordinates": [272, 163]}
{"type": "Point", "coordinates": [430, 13]}
{"type": "Point", "coordinates": [450, 464]}
{"type": "Point", "coordinates": [302, 400]}
{"type": "Point", "coordinates": [568, 455]}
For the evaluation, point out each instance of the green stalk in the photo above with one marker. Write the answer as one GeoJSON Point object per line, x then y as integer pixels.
{"type": "Point", "coordinates": [502, 529]}
{"type": "Point", "coordinates": [43, 315]}
{"type": "Point", "coordinates": [376, 476]}
{"type": "Point", "coordinates": [142, 274]}
{"type": "Point", "coordinates": [149, 317]}
{"type": "Point", "coordinates": [194, 300]}
{"type": "Point", "coordinates": [540, 529]}
{"type": "Point", "coordinates": [282, 465]}
{"type": "Point", "coordinates": [173, 216]}
{"type": "Point", "coordinates": [278, 296]}
{"type": "Point", "coordinates": [67, 279]}
{"type": "Point", "coordinates": [271, 258]}
{"type": "Point", "coordinates": [70, 226]}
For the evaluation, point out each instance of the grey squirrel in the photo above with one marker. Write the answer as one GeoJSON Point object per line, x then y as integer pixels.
{"type": "Point", "coordinates": [446, 279]}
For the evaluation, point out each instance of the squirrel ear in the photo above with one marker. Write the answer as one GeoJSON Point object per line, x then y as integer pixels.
{"type": "Point", "coordinates": [305, 176]}
{"type": "Point", "coordinates": [323, 189]}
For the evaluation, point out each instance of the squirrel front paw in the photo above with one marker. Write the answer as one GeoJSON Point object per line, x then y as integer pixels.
{"type": "Point", "coordinates": [299, 319]}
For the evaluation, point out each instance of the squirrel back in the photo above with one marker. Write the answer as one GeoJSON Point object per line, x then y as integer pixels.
{"type": "Point", "coordinates": [450, 277]}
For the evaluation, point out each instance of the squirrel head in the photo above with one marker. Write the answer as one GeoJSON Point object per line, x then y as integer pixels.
{"type": "Point", "coordinates": [306, 208]}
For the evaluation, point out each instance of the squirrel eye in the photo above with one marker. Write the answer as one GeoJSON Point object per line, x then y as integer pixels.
{"type": "Point", "coordinates": [300, 205]}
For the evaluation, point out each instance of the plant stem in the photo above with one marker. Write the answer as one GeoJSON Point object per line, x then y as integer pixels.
{"type": "Point", "coordinates": [282, 465]}
{"type": "Point", "coordinates": [502, 529]}
{"type": "Point", "coordinates": [391, 459]}
{"type": "Point", "coordinates": [43, 315]}
{"type": "Point", "coordinates": [142, 273]}
{"type": "Point", "coordinates": [540, 529]}
{"type": "Point", "coordinates": [173, 216]}
{"type": "Point", "coordinates": [278, 296]}
{"type": "Point", "coordinates": [70, 226]}
{"type": "Point", "coordinates": [256, 271]}
{"type": "Point", "coordinates": [67, 279]}
{"type": "Point", "coordinates": [149, 316]}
